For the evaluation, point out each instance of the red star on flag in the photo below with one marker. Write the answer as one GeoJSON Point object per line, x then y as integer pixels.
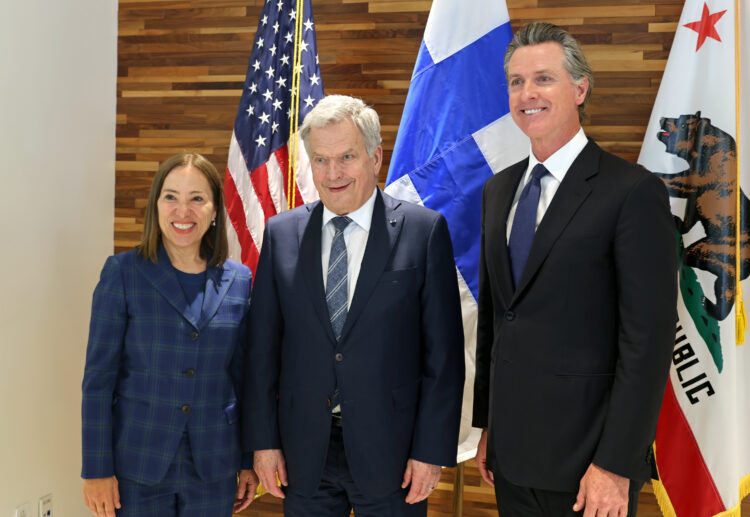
{"type": "Point", "coordinates": [706, 26]}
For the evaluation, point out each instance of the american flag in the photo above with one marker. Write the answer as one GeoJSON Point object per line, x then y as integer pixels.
{"type": "Point", "coordinates": [256, 183]}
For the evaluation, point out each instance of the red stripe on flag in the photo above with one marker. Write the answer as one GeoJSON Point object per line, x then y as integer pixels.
{"type": "Point", "coordinates": [282, 155]}
{"type": "Point", "coordinates": [236, 212]}
{"type": "Point", "coordinates": [682, 469]}
{"type": "Point", "coordinates": [259, 179]}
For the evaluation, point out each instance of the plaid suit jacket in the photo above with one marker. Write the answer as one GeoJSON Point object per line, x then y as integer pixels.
{"type": "Point", "coordinates": [153, 372]}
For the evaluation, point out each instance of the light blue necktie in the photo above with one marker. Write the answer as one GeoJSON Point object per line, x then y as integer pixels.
{"type": "Point", "coordinates": [337, 293]}
{"type": "Point", "coordinates": [524, 223]}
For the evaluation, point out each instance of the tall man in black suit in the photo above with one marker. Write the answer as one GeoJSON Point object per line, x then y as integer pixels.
{"type": "Point", "coordinates": [355, 369]}
{"type": "Point", "coordinates": [577, 302]}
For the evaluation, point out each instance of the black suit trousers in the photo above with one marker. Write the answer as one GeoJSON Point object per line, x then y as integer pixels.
{"type": "Point", "coordinates": [518, 501]}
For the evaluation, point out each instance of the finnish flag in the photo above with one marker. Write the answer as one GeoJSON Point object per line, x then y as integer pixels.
{"type": "Point", "coordinates": [455, 132]}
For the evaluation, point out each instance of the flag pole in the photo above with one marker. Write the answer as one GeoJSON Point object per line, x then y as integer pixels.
{"type": "Point", "coordinates": [458, 491]}
{"type": "Point", "coordinates": [739, 304]}
{"type": "Point", "coordinates": [296, 73]}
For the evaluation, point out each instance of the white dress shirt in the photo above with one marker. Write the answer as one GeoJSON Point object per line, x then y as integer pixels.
{"type": "Point", "coordinates": [557, 165]}
{"type": "Point", "coordinates": [355, 238]}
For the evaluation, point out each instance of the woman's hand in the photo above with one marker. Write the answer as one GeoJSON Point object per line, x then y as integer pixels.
{"type": "Point", "coordinates": [101, 496]}
{"type": "Point", "coordinates": [246, 488]}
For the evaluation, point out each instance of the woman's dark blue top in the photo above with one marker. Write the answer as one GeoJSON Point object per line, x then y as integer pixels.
{"type": "Point", "coordinates": [193, 285]}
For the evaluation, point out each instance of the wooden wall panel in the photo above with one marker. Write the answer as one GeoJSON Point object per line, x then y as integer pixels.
{"type": "Point", "coordinates": [181, 66]}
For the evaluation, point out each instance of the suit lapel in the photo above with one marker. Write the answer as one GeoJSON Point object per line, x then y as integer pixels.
{"type": "Point", "coordinates": [496, 220]}
{"type": "Point", "coordinates": [309, 233]}
{"type": "Point", "coordinates": [164, 280]}
{"type": "Point", "coordinates": [573, 190]}
{"type": "Point", "coordinates": [384, 231]}
{"type": "Point", "coordinates": [218, 281]}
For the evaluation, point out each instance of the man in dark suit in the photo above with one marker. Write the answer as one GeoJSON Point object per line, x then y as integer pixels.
{"type": "Point", "coordinates": [577, 302]}
{"type": "Point", "coordinates": [355, 369]}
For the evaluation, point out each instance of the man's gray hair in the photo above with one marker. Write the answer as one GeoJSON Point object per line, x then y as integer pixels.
{"type": "Point", "coordinates": [335, 108]}
{"type": "Point", "coordinates": [575, 61]}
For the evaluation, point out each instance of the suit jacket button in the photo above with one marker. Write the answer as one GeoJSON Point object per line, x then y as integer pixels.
{"type": "Point", "coordinates": [339, 357]}
{"type": "Point", "coordinates": [190, 372]}
{"type": "Point", "coordinates": [510, 315]}
{"type": "Point", "coordinates": [185, 409]}
{"type": "Point", "coordinates": [194, 336]}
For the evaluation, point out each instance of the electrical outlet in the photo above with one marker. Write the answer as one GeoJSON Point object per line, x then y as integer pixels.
{"type": "Point", "coordinates": [23, 511]}
{"type": "Point", "coordinates": [45, 506]}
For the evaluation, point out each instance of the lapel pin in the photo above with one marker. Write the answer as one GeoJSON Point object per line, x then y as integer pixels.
{"type": "Point", "coordinates": [392, 221]}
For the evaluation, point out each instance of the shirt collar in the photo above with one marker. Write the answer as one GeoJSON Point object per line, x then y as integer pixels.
{"type": "Point", "coordinates": [561, 160]}
{"type": "Point", "coordinates": [362, 215]}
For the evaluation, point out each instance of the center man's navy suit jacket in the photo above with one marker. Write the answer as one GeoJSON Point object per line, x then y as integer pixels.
{"type": "Point", "coordinates": [153, 371]}
{"type": "Point", "coordinates": [399, 365]}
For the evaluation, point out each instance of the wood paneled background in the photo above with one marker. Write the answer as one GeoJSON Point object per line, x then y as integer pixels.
{"type": "Point", "coordinates": [182, 63]}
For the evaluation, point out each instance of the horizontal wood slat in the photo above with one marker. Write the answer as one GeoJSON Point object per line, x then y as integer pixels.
{"type": "Point", "coordinates": [181, 66]}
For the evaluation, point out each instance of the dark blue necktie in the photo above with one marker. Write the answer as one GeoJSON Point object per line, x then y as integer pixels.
{"type": "Point", "coordinates": [524, 223]}
{"type": "Point", "coordinates": [337, 293]}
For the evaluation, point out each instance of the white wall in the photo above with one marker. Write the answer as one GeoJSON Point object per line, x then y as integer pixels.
{"type": "Point", "coordinates": [57, 146]}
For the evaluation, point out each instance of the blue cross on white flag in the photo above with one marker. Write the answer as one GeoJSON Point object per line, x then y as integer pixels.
{"type": "Point", "coordinates": [455, 133]}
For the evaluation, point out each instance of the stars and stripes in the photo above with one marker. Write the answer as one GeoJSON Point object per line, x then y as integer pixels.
{"type": "Point", "coordinates": [256, 183]}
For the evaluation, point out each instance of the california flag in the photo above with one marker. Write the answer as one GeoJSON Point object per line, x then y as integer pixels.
{"type": "Point", "coordinates": [697, 135]}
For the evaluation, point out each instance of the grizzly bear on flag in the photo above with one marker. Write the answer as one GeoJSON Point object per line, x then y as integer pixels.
{"type": "Point", "coordinates": [709, 185]}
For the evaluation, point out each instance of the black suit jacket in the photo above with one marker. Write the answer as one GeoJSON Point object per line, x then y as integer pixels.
{"type": "Point", "coordinates": [399, 365]}
{"type": "Point", "coordinates": [572, 365]}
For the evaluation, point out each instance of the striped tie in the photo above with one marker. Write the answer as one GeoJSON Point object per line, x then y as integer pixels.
{"type": "Point", "coordinates": [337, 293]}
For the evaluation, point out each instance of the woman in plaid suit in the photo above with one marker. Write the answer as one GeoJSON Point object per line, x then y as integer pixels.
{"type": "Point", "coordinates": [164, 359]}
